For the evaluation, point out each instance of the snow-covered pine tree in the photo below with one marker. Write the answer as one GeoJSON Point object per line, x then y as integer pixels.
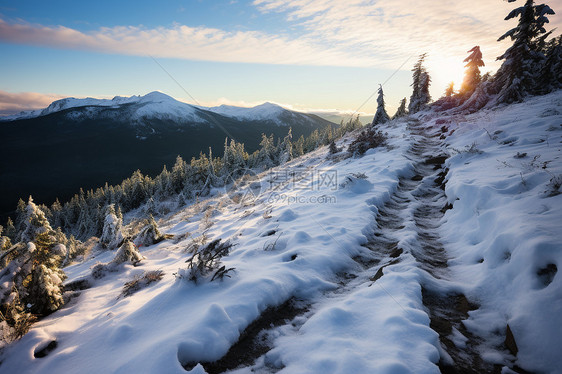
{"type": "Point", "coordinates": [5, 242]}
{"type": "Point", "coordinates": [298, 147]}
{"type": "Point", "coordinates": [286, 148]}
{"type": "Point", "coordinates": [424, 96]}
{"type": "Point", "coordinates": [401, 111]}
{"type": "Point", "coordinates": [214, 179]}
{"type": "Point", "coordinates": [181, 200]}
{"type": "Point", "coordinates": [34, 222]}
{"type": "Point", "coordinates": [42, 293]}
{"type": "Point", "coordinates": [137, 190]}
{"type": "Point", "coordinates": [149, 234]}
{"type": "Point", "coordinates": [517, 76]}
{"type": "Point", "coordinates": [266, 152]}
{"type": "Point", "coordinates": [56, 210]}
{"type": "Point", "coordinates": [472, 75]}
{"type": "Point", "coordinates": [111, 237]}
{"type": "Point", "coordinates": [150, 207]}
{"type": "Point", "coordinates": [380, 116]}
{"type": "Point", "coordinates": [420, 86]}
{"type": "Point", "coordinates": [20, 216]}
{"type": "Point", "coordinates": [10, 230]}
{"type": "Point", "coordinates": [312, 141]}
{"type": "Point", "coordinates": [178, 175]}
{"type": "Point", "coordinates": [550, 77]}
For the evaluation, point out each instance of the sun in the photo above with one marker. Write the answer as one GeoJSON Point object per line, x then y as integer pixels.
{"type": "Point", "coordinates": [444, 70]}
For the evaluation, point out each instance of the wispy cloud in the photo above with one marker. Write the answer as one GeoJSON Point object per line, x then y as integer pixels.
{"type": "Point", "coordinates": [184, 42]}
{"type": "Point", "coordinates": [391, 30]}
{"type": "Point", "coordinates": [362, 33]}
{"type": "Point", "coordinates": [12, 103]}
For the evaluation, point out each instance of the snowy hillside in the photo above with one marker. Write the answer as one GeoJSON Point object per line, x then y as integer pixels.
{"type": "Point", "coordinates": [260, 112]}
{"type": "Point", "coordinates": [439, 250]}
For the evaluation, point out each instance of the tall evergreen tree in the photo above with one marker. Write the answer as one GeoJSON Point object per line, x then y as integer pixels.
{"type": "Point", "coordinates": [35, 223]}
{"type": "Point", "coordinates": [401, 111]}
{"type": "Point", "coordinates": [420, 86]}
{"type": "Point", "coordinates": [286, 148]}
{"type": "Point", "coordinates": [472, 75]}
{"type": "Point", "coordinates": [551, 72]}
{"type": "Point", "coordinates": [10, 230]}
{"type": "Point", "coordinates": [380, 116]}
{"type": "Point", "coordinates": [111, 237]}
{"type": "Point", "coordinates": [517, 76]}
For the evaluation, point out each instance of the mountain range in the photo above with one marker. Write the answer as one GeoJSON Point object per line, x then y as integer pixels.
{"type": "Point", "coordinates": [83, 143]}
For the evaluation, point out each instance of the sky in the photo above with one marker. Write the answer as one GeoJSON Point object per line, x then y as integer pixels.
{"type": "Point", "coordinates": [302, 54]}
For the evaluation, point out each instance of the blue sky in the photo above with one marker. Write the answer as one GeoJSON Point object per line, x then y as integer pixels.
{"type": "Point", "coordinates": [305, 54]}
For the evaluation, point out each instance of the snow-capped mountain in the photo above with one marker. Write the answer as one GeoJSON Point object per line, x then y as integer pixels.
{"type": "Point", "coordinates": [135, 108]}
{"type": "Point", "coordinates": [265, 111]}
{"type": "Point", "coordinates": [157, 105]}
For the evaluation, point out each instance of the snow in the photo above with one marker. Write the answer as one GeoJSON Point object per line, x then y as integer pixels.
{"type": "Point", "coordinates": [303, 232]}
{"type": "Point", "coordinates": [265, 111]}
{"type": "Point", "coordinates": [511, 223]}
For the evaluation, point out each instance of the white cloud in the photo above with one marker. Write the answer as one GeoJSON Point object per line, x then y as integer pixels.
{"type": "Point", "coordinates": [184, 42]}
{"type": "Point", "coordinates": [12, 103]}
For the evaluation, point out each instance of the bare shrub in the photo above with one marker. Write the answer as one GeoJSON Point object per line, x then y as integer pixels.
{"type": "Point", "coordinates": [206, 262]}
{"type": "Point", "coordinates": [553, 186]}
{"type": "Point", "coordinates": [15, 321]}
{"type": "Point", "coordinates": [366, 140]}
{"type": "Point", "coordinates": [141, 281]}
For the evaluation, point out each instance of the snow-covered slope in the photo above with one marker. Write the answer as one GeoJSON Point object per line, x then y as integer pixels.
{"type": "Point", "coordinates": [259, 112]}
{"type": "Point", "coordinates": [503, 233]}
{"type": "Point", "coordinates": [314, 235]}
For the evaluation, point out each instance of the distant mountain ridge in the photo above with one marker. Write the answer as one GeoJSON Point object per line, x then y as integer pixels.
{"type": "Point", "coordinates": [158, 105]}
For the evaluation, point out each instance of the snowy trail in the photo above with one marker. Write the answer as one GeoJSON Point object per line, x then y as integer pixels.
{"type": "Point", "coordinates": [416, 209]}
{"type": "Point", "coordinates": [412, 212]}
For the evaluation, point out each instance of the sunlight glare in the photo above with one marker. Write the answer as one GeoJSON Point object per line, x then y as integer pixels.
{"type": "Point", "coordinates": [444, 70]}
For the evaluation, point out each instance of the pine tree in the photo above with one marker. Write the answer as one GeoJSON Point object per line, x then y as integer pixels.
{"type": "Point", "coordinates": [20, 215]}
{"type": "Point", "coordinates": [401, 111]}
{"type": "Point", "coordinates": [111, 237]}
{"type": "Point", "coordinates": [266, 153]}
{"type": "Point", "coordinates": [181, 200]}
{"type": "Point", "coordinates": [43, 285]}
{"type": "Point", "coordinates": [10, 230]}
{"type": "Point", "coordinates": [178, 175]}
{"type": "Point", "coordinates": [286, 148]}
{"type": "Point", "coordinates": [380, 116]}
{"type": "Point", "coordinates": [150, 207]}
{"type": "Point", "coordinates": [35, 223]}
{"type": "Point", "coordinates": [421, 82]}
{"type": "Point", "coordinates": [149, 234]}
{"type": "Point", "coordinates": [516, 77]}
{"type": "Point", "coordinates": [472, 75]}
{"type": "Point", "coordinates": [5, 242]}
{"type": "Point", "coordinates": [56, 210]}
{"type": "Point", "coordinates": [551, 72]}
{"type": "Point", "coordinates": [298, 147]}
{"type": "Point", "coordinates": [450, 90]}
